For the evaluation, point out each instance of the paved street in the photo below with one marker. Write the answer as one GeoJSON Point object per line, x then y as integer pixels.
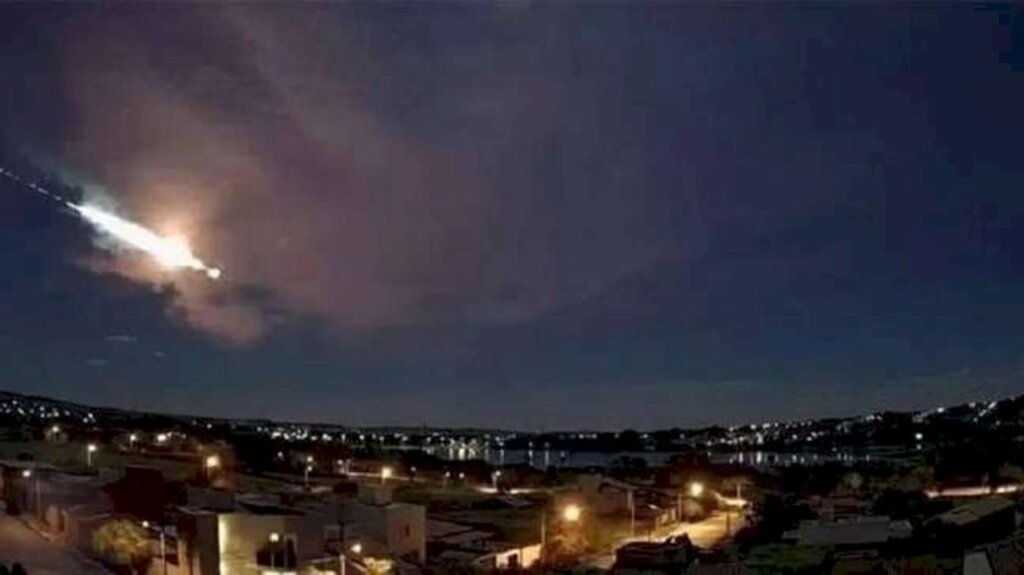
{"type": "Point", "coordinates": [704, 533]}
{"type": "Point", "coordinates": [39, 556]}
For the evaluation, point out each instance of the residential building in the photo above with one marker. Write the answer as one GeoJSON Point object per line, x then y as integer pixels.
{"type": "Point", "coordinates": [852, 531]}
{"type": "Point", "coordinates": [395, 529]}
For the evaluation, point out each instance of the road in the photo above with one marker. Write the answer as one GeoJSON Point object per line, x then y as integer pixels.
{"type": "Point", "coordinates": [704, 533]}
{"type": "Point", "coordinates": [39, 556]}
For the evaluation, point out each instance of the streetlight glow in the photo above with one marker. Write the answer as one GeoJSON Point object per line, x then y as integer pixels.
{"type": "Point", "coordinates": [26, 473]}
{"type": "Point", "coordinates": [92, 448]}
{"type": "Point", "coordinates": [696, 489]}
{"type": "Point", "coordinates": [572, 513]}
{"type": "Point", "coordinates": [385, 473]}
{"type": "Point", "coordinates": [356, 548]}
{"type": "Point", "coordinates": [212, 461]}
{"type": "Point", "coordinates": [274, 537]}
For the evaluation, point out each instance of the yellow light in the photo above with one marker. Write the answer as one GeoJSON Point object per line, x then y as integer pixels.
{"type": "Point", "coordinates": [274, 537]}
{"type": "Point", "coordinates": [212, 461]}
{"type": "Point", "coordinates": [572, 513]}
{"type": "Point", "coordinates": [357, 548]}
{"type": "Point", "coordinates": [55, 429]}
{"type": "Point", "coordinates": [161, 437]}
{"type": "Point", "coordinates": [92, 448]}
{"type": "Point", "coordinates": [385, 473]}
{"type": "Point", "coordinates": [133, 438]}
{"type": "Point", "coordinates": [696, 489]}
{"type": "Point", "coordinates": [145, 524]}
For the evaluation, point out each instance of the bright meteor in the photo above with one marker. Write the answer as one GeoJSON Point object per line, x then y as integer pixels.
{"type": "Point", "coordinates": [170, 252]}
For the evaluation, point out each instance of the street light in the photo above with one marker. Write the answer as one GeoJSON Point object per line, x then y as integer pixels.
{"type": "Point", "coordinates": [163, 545]}
{"type": "Point", "coordinates": [273, 538]}
{"type": "Point", "coordinates": [356, 549]}
{"type": "Point", "coordinates": [132, 438]}
{"type": "Point", "coordinates": [696, 489]}
{"type": "Point", "coordinates": [572, 513]}
{"type": "Point", "coordinates": [211, 463]}
{"type": "Point", "coordinates": [385, 474]}
{"type": "Point", "coordinates": [305, 475]}
{"type": "Point", "coordinates": [495, 477]}
{"type": "Point", "coordinates": [89, 450]}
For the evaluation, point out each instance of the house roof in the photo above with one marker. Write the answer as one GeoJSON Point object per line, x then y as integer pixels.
{"type": "Point", "coordinates": [1006, 557]}
{"type": "Point", "coordinates": [974, 511]}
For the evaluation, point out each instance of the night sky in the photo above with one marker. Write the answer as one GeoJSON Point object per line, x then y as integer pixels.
{"type": "Point", "coordinates": [516, 215]}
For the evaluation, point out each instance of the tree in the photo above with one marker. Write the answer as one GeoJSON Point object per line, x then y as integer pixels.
{"type": "Point", "coordinates": [378, 566]}
{"type": "Point", "coordinates": [122, 543]}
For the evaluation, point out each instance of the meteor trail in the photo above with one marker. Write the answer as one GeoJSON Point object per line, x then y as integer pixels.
{"type": "Point", "coordinates": [170, 252]}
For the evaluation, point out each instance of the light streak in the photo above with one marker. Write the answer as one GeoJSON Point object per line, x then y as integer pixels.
{"type": "Point", "coordinates": [171, 252]}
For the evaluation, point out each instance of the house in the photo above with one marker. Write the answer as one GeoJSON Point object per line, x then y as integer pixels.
{"type": "Point", "coordinates": [850, 532]}
{"type": "Point", "coordinates": [1003, 557]}
{"type": "Point", "coordinates": [254, 537]}
{"type": "Point", "coordinates": [455, 545]}
{"type": "Point", "coordinates": [396, 529]}
{"type": "Point", "coordinates": [604, 495]}
{"type": "Point", "coordinates": [977, 522]}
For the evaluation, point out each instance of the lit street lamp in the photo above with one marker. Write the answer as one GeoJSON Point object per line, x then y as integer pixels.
{"type": "Point", "coordinates": [696, 489]}
{"type": "Point", "coordinates": [211, 463]}
{"type": "Point", "coordinates": [356, 549]}
{"type": "Point", "coordinates": [132, 438]}
{"type": "Point", "coordinates": [27, 474]}
{"type": "Point", "coordinates": [89, 450]}
{"type": "Point", "coordinates": [385, 474]}
{"type": "Point", "coordinates": [494, 479]}
{"type": "Point", "coordinates": [163, 545]}
{"type": "Point", "coordinates": [274, 538]}
{"type": "Point", "coordinates": [571, 513]}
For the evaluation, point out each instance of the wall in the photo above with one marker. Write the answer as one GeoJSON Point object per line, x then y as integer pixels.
{"type": "Point", "coordinates": [400, 529]}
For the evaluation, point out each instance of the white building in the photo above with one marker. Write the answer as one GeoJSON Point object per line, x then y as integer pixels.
{"type": "Point", "coordinates": [383, 526]}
